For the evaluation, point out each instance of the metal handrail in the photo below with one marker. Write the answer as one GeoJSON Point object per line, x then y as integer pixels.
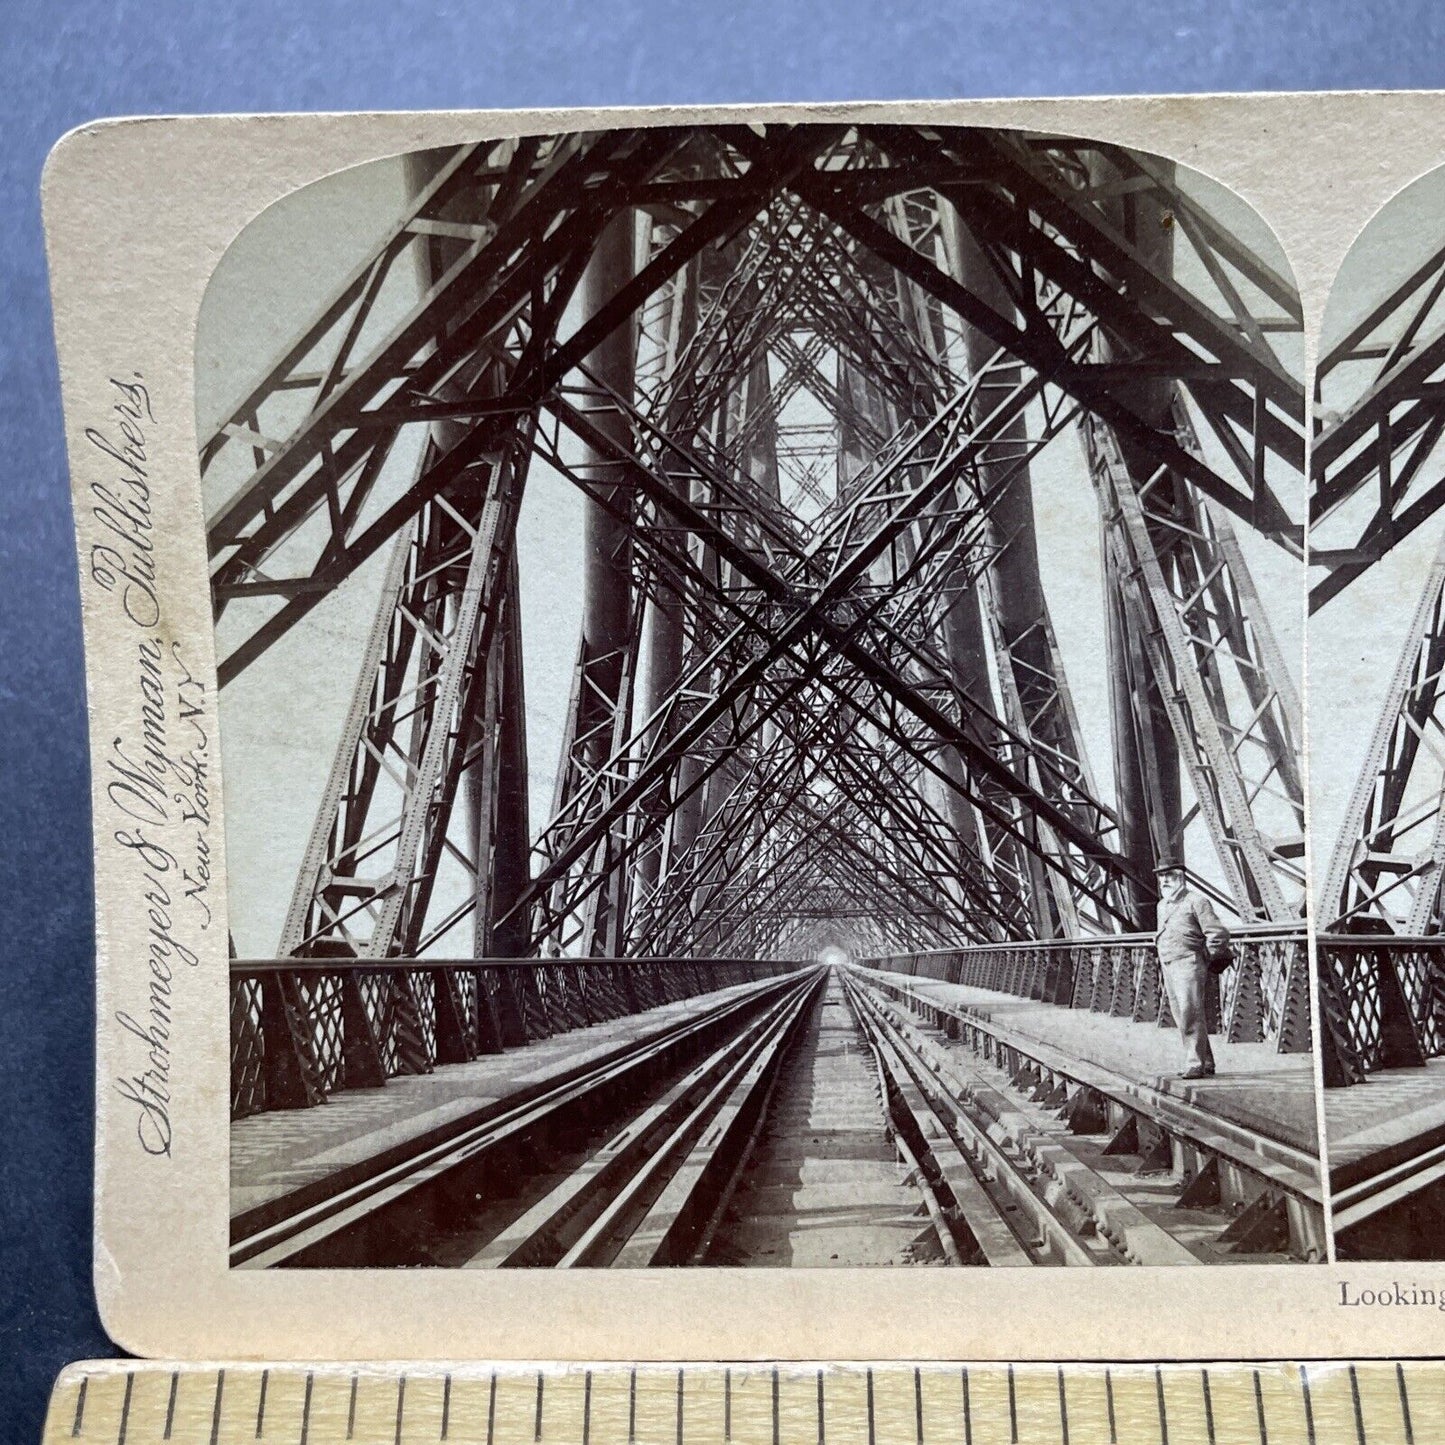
{"type": "Point", "coordinates": [1264, 998]}
{"type": "Point", "coordinates": [1242, 933]}
{"type": "Point", "coordinates": [304, 1028]}
{"type": "Point", "coordinates": [247, 967]}
{"type": "Point", "coordinates": [1382, 1003]}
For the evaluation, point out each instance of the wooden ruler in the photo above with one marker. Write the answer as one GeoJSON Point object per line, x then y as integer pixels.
{"type": "Point", "coordinates": [140, 1402]}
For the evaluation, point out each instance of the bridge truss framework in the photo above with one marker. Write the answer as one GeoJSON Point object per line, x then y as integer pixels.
{"type": "Point", "coordinates": [799, 376]}
{"type": "Point", "coordinates": [1376, 478]}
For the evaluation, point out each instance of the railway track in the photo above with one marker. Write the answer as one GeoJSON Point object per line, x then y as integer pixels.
{"type": "Point", "coordinates": [886, 1141]}
{"type": "Point", "coordinates": [1388, 1212]}
{"type": "Point", "coordinates": [564, 1161]}
{"type": "Point", "coordinates": [1041, 1160]}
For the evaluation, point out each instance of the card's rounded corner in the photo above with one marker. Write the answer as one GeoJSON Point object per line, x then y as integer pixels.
{"type": "Point", "coordinates": [82, 136]}
{"type": "Point", "coordinates": [125, 1320]}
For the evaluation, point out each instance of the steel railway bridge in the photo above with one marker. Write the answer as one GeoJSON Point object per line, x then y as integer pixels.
{"type": "Point", "coordinates": [1376, 483]}
{"type": "Point", "coordinates": [825, 858]}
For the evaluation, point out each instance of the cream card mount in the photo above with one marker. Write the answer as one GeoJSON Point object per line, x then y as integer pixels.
{"type": "Point", "coordinates": [714, 701]}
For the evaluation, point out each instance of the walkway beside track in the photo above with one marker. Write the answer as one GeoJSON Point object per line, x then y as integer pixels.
{"type": "Point", "coordinates": [1387, 1163]}
{"type": "Point", "coordinates": [1256, 1087]}
{"type": "Point", "coordinates": [825, 1186]}
{"type": "Point", "coordinates": [1393, 1114]}
{"type": "Point", "coordinates": [279, 1153]}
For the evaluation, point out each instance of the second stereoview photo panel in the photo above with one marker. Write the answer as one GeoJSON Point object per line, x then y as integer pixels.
{"type": "Point", "coordinates": [1377, 748]}
{"type": "Point", "coordinates": [760, 703]}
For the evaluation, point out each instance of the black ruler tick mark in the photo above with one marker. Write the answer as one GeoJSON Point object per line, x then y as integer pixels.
{"type": "Point", "coordinates": [125, 1410]}
{"type": "Point", "coordinates": [216, 1413]}
{"type": "Point", "coordinates": [306, 1407]}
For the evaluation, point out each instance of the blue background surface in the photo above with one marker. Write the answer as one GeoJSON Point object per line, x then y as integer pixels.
{"type": "Point", "coordinates": [62, 64]}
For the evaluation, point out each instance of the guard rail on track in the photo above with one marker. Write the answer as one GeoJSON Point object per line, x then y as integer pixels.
{"type": "Point", "coordinates": [302, 1029]}
{"type": "Point", "coordinates": [1264, 998]}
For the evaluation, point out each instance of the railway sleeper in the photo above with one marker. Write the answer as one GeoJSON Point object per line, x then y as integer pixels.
{"type": "Point", "coordinates": [591, 1212]}
{"type": "Point", "coordinates": [1004, 1210]}
{"type": "Point", "coordinates": [1087, 1204]}
{"type": "Point", "coordinates": [428, 1195]}
{"type": "Point", "coordinates": [1227, 1191]}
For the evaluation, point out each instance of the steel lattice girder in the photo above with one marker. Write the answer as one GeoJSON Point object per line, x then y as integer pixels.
{"type": "Point", "coordinates": [810, 612]}
{"type": "Point", "coordinates": [1393, 361]}
{"type": "Point", "coordinates": [390, 390]}
{"type": "Point", "coordinates": [825, 748]}
{"type": "Point", "coordinates": [844, 563]}
{"type": "Point", "coordinates": [1222, 385]}
{"type": "Point", "coordinates": [1386, 867]}
{"type": "Point", "coordinates": [545, 237]}
{"type": "Point", "coordinates": [1183, 586]}
{"type": "Point", "coordinates": [1033, 689]}
{"type": "Point", "coordinates": [1224, 756]}
{"type": "Point", "coordinates": [419, 698]}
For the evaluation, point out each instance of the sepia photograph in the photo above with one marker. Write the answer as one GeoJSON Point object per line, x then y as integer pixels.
{"type": "Point", "coordinates": [1377, 749]}
{"type": "Point", "coordinates": [759, 701]}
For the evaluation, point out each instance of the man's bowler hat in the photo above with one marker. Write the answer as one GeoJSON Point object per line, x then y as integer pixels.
{"type": "Point", "coordinates": [1168, 863]}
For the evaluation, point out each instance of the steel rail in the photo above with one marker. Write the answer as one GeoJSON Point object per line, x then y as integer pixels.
{"type": "Point", "coordinates": [1012, 1225]}
{"type": "Point", "coordinates": [594, 1212]}
{"type": "Point", "coordinates": [1369, 1199]}
{"type": "Point", "coordinates": [1283, 1165]}
{"type": "Point", "coordinates": [1001, 1127]}
{"type": "Point", "coordinates": [276, 1235]}
{"type": "Point", "coordinates": [1287, 1178]}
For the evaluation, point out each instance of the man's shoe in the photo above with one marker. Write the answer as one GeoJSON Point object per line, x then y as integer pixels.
{"type": "Point", "coordinates": [1197, 1072]}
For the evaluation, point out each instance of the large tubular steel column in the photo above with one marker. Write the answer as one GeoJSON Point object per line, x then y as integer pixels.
{"type": "Point", "coordinates": [1146, 752]}
{"type": "Point", "coordinates": [1018, 597]}
{"type": "Point", "coordinates": [512, 834]}
{"type": "Point", "coordinates": [494, 786]}
{"type": "Point", "coordinates": [607, 539]}
{"type": "Point", "coordinates": [708, 274]}
{"type": "Point", "coordinates": [673, 313]}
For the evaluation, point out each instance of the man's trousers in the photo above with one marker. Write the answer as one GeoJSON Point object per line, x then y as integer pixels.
{"type": "Point", "coordinates": [1185, 983]}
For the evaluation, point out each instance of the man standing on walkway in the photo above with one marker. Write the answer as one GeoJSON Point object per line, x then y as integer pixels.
{"type": "Point", "coordinates": [1189, 937]}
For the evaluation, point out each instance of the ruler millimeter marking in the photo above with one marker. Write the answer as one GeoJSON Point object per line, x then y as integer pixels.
{"type": "Point", "coordinates": [144, 1403]}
